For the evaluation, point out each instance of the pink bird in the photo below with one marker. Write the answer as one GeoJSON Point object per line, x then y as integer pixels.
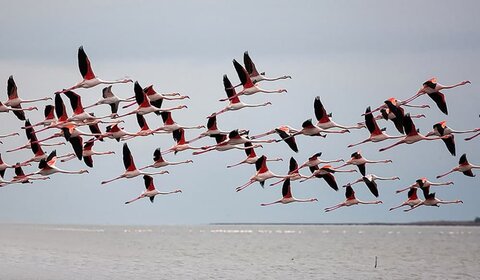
{"type": "Point", "coordinates": [431, 200]}
{"type": "Point", "coordinates": [262, 174]}
{"type": "Point", "coordinates": [326, 172]}
{"type": "Point", "coordinates": [249, 87]}
{"type": "Point", "coordinates": [411, 201]}
{"type": "Point", "coordinates": [463, 166]}
{"type": "Point", "coordinates": [47, 166]}
{"type": "Point", "coordinates": [156, 99]}
{"type": "Point", "coordinates": [358, 160]}
{"type": "Point", "coordinates": [89, 79]}
{"type": "Point", "coordinates": [15, 102]}
{"type": "Point", "coordinates": [324, 120]}
{"type": "Point", "coordinates": [88, 152]}
{"type": "Point", "coordinates": [159, 162]}
{"type": "Point", "coordinates": [350, 200]}
{"type": "Point", "coordinates": [424, 183]}
{"type": "Point", "coordinates": [150, 191]}
{"type": "Point", "coordinates": [21, 178]}
{"type": "Point", "coordinates": [109, 98]}
{"type": "Point", "coordinates": [287, 196]}
{"type": "Point", "coordinates": [251, 156]}
{"type": "Point", "coordinates": [130, 170]}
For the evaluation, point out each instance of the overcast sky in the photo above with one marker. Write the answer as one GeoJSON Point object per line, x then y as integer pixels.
{"type": "Point", "coordinates": [351, 54]}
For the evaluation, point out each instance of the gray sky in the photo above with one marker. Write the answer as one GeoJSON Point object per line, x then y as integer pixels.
{"type": "Point", "coordinates": [351, 54]}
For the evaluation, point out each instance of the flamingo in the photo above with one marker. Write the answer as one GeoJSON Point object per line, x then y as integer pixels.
{"type": "Point", "coordinates": [262, 174]}
{"type": "Point", "coordinates": [287, 196]}
{"type": "Point", "coordinates": [309, 129]}
{"type": "Point", "coordinates": [49, 113]}
{"type": "Point", "coordinates": [358, 160]}
{"type": "Point", "coordinates": [235, 103]}
{"type": "Point", "coordinates": [326, 172]}
{"type": "Point", "coordinates": [156, 99]}
{"type": "Point", "coordinates": [150, 191]}
{"type": "Point", "coordinates": [212, 129]}
{"type": "Point", "coordinates": [79, 114]}
{"type": "Point", "coordinates": [20, 176]}
{"type": "Point", "coordinates": [4, 166]}
{"type": "Point", "coordinates": [15, 102]}
{"type": "Point", "coordinates": [411, 201]}
{"type": "Point", "coordinates": [324, 121]}
{"type": "Point", "coordinates": [62, 117]}
{"type": "Point", "coordinates": [47, 166]}
{"type": "Point", "coordinates": [350, 200]}
{"type": "Point", "coordinates": [414, 136]}
{"type": "Point", "coordinates": [441, 129]}
{"type": "Point", "coordinates": [116, 132]}
{"type": "Point", "coordinates": [5, 109]}
{"type": "Point", "coordinates": [376, 134]}
{"type": "Point", "coordinates": [431, 200]}
{"type": "Point", "coordinates": [170, 125]}
{"type": "Point", "coordinates": [463, 166]}
{"type": "Point", "coordinates": [315, 160]}
{"type": "Point", "coordinates": [159, 162]}
{"type": "Point", "coordinates": [398, 104]}
{"type": "Point", "coordinates": [285, 132]}
{"type": "Point", "coordinates": [87, 153]}
{"type": "Point", "coordinates": [369, 180]}
{"type": "Point", "coordinates": [181, 144]}
{"type": "Point", "coordinates": [292, 172]}
{"type": "Point", "coordinates": [224, 145]}
{"type": "Point", "coordinates": [144, 105]}
{"type": "Point", "coordinates": [144, 128]}
{"type": "Point", "coordinates": [130, 170]}
{"type": "Point", "coordinates": [109, 98]}
{"type": "Point", "coordinates": [424, 183]}
{"type": "Point", "coordinates": [89, 79]}
{"type": "Point", "coordinates": [432, 89]}
{"type": "Point", "coordinates": [251, 156]}
{"type": "Point", "coordinates": [249, 87]}
{"type": "Point", "coordinates": [256, 76]}
{"type": "Point", "coordinates": [236, 138]}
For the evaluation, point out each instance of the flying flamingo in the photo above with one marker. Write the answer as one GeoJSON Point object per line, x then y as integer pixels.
{"type": "Point", "coordinates": [144, 105]}
{"type": "Point", "coordinates": [130, 170]}
{"type": "Point", "coordinates": [156, 99]}
{"type": "Point", "coordinates": [424, 183]}
{"type": "Point", "coordinates": [309, 129]}
{"type": "Point", "coordinates": [324, 121]}
{"type": "Point", "coordinates": [358, 160]}
{"type": "Point", "coordinates": [285, 132]}
{"type": "Point", "coordinates": [432, 89]}
{"type": "Point", "coordinates": [116, 132]}
{"type": "Point", "coordinates": [20, 176]}
{"type": "Point", "coordinates": [412, 135]}
{"type": "Point", "coordinates": [234, 138]}
{"type": "Point", "coordinates": [293, 172]}
{"type": "Point", "coordinates": [251, 156]}
{"type": "Point", "coordinates": [180, 143]}
{"type": "Point", "coordinates": [62, 116]}
{"type": "Point", "coordinates": [249, 87]}
{"type": "Point", "coordinates": [79, 114]}
{"type": "Point", "coordinates": [411, 201]}
{"type": "Point", "coordinates": [463, 166]}
{"type": "Point", "coordinates": [16, 102]}
{"type": "Point", "coordinates": [235, 103]}
{"type": "Point", "coordinates": [431, 200]}
{"type": "Point", "coordinates": [369, 180]}
{"type": "Point", "coordinates": [256, 76]}
{"type": "Point", "coordinates": [89, 78]}
{"type": "Point", "coordinates": [326, 172]}
{"type": "Point", "coordinates": [386, 114]}
{"type": "Point", "coordinates": [397, 103]}
{"type": "Point", "coordinates": [213, 130]}
{"type": "Point", "coordinates": [351, 200]}
{"type": "Point", "coordinates": [224, 145]}
{"type": "Point", "coordinates": [47, 166]}
{"type": "Point", "coordinates": [144, 128]}
{"type": "Point", "coordinates": [109, 98]}
{"type": "Point", "coordinates": [376, 134]}
{"type": "Point", "coordinates": [49, 113]}
{"type": "Point", "coordinates": [87, 153]}
{"type": "Point", "coordinates": [170, 125]}
{"type": "Point", "coordinates": [262, 174]}
{"type": "Point", "coordinates": [150, 191]}
{"type": "Point", "coordinates": [159, 162]}
{"type": "Point", "coordinates": [4, 166]}
{"type": "Point", "coordinates": [315, 160]}
{"type": "Point", "coordinates": [5, 109]}
{"type": "Point", "coordinates": [287, 196]}
{"type": "Point", "coordinates": [441, 129]}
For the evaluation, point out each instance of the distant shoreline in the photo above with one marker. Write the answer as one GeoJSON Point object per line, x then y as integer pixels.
{"type": "Point", "coordinates": [422, 223]}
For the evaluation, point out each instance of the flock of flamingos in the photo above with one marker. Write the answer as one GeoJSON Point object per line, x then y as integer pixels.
{"type": "Point", "coordinates": [146, 100]}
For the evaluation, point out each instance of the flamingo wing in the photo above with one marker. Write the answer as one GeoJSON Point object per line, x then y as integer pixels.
{"type": "Point", "coordinates": [468, 173]}
{"type": "Point", "coordinates": [349, 192]}
{"type": "Point", "coordinates": [107, 92]}
{"type": "Point", "coordinates": [157, 155]}
{"type": "Point", "coordinates": [11, 88]}
{"type": "Point", "coordinates": [140, 96]}
{"type": "Point", "coordinates": [60, 108]}
{"type": "Point", "coordinates": [286, 190]}
{"type": "Point", "coordinates": [330, 179]}
{"type": "Point", "coordinates": [84, 65]}
{"type": "Point", "coordinates": [48, 112]}
{"type": "Point", "coordinates": [372, 186]}
{"type": "Point", "coordinates": [463, 160]}
{"type": "Point", "coordinates": [408, 125]}
{"type": "Point", "coordinates": [88, 161]}
{"type": "Point", "coordinates": [19, 114]}
{"type": "Point", "coordinates": [77, 145]}
{"type": "Point", "coordinates": [290, 140]}
{"type": "Point", "coordinates": [75, 101]}
{"type": "Point", "coordinates": [261, 164]}
{"type": "Point", "coordinates": [250, 152]}
{"type": "Point", "coordinates": [370, 122]}
{"type": "Point", "coordinates": [212, 123]}
{"type": "Point", "coordinates": [128, 158]}
{"type": "Point", "coordinates": [242, 75]}
{"type": "Point", "coordinates": [361, 168]}
{"type": "Point", "coordinates": [249, 65]}
{"type": "Point", "coordinates": [230, 90]}
{"type": "Point", "coordinates": [293, 165]}
{"type": "Point", "coordinates": [450, 143]}
{"type": "Point", "coordinates": [439, 99]}
{"type": "Point", "coordinates": [320, 112]}
{"type": "Point", "coordinates": [148, 180]}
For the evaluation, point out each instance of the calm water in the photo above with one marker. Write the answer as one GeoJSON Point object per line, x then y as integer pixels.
{"type": "Point", "coordinates": [239, 252]}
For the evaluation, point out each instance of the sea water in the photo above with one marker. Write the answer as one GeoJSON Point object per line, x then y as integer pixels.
{"type": "Point", "coordinates": [239, 252]}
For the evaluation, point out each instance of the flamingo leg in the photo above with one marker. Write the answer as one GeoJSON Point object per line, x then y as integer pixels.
{"type": "Point", "coordinates": [359, 143]}
{"type": "Point", "coordinates": [270, 203]}
{"type": "Point", "coordinates": [135, 199]}
{"type": "Point", "coordinates": [245, 185]}
{"type": "Point", "coordinates": [396, 207]}
{"type": "Point", "coordinates": [328, 209]}
{"type": "Point", "coordinates": [391, 146]}
{"type": "Point", "coordinates": [237, 164]}
{"type": "Point", "coordinates": [109, 181]}
{"type": "Point", "coordinates": [445, 174]}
